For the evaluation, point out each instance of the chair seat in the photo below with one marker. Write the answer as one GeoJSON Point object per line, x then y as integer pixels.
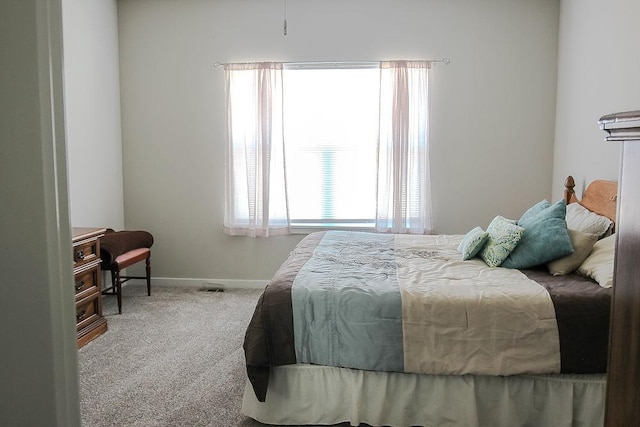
{"type": "Point", "coordinates": [116, 243]}
{"type": "Point", "coordinates": [129, 258]}
{"type": "Point", "coordinates": [122, 249]}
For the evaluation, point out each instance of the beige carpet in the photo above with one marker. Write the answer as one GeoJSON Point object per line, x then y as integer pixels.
{"type": "Point", "coordinates": [172, 359]}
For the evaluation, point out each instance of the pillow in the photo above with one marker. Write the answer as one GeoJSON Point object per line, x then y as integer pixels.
{"type": "Point", "coordinates": [472, 242]}
{"type": "Point", "coordinates": [545, 237]}
{"type": "Point", "coordinates": [599, 264]}
{"type": "Point", "coordinates": [534, 210]}
{"type": "Point", "coordinates": [582, 219]}
{"type": "Point", "coordinates": [504, 236]}
{"type": "Point", "coordinates": [582, 245]}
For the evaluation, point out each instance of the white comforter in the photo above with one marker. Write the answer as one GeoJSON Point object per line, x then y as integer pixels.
{"type": "Point", "coordinates": [463, 317]}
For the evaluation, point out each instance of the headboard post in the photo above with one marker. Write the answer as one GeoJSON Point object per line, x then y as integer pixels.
{"type": "Point", "coordinates": [569, 193]}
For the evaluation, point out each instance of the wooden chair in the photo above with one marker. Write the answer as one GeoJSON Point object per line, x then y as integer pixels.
{"type": "Point", "coordinates": [122, 249]}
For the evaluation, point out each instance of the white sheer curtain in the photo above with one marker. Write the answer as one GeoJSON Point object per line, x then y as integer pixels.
{"type": "Point", "coordinates": [256, 199]}
{"type": "Point", "coordinates": [404, 189]}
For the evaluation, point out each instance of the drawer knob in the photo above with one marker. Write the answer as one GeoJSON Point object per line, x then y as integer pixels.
{"type": "Point", "coordinates": [80, 255]}
{"type": "Point", "coordinates": [79, 285]}
{"type": "Point", "coordinates": [80, 316]}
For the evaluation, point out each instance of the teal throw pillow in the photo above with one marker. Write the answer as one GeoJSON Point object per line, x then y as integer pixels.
{"type": "Point", "coordinates": [534, 210]}
{"type": "Point", "coordinates": [545, 237]}
{"type": "Point", "coordinates": [504, 236]}
{"type": "Point", "coordinates": [472, 242]}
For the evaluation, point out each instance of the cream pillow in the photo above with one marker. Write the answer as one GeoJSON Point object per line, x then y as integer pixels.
{"type": "Point", "coordinates": [599, 264]}
{"type": "Point", "coordinates": [582, 219]}
{"type": "Point", "coordinates": [582, 245]}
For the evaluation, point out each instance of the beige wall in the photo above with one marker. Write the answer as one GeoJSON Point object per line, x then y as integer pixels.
{"type": "Point", "coordinates": [598, 71]}
{"type": "Point", "coordinates": [493, 109]}
{"type": "Point", "coordinates": [92, 103]}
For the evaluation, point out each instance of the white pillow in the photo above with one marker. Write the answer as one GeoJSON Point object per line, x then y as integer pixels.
{"type": "Point", "coordinates": [599, 264]}
{"type": "Point", "coordinates": [582, 219]}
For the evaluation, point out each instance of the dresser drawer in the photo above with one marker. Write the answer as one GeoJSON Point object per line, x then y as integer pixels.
{"type": "Point", "coordinates": [88, 311]}
{"type": "Point", "coordinates": [86, 280]}
{"type": "Point", "coordinates": [85, 252]}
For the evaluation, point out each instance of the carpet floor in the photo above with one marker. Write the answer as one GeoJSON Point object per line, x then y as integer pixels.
{"type": "Point", "coordinates": [172, 359]}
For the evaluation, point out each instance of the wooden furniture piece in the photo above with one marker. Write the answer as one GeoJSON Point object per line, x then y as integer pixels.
{"type": "Point", "coordinates": [122, 249]}
{"type": "Point", "coordinates": [623, 379]}
{"type": "Point", "coordinates": [88, 284]}
{"type": "Point", "coordinates": [600, 196]}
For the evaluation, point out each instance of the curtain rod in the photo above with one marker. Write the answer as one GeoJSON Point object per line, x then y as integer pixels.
{"type": "Point", "coordinates": [444, 61]}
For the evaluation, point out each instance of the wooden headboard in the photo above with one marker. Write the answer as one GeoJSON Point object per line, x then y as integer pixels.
{"type": "Point", "coordinates": [600, 196]}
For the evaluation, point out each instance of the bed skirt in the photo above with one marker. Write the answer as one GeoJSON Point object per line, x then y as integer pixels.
{"type": "Point", "coordinates": [310, 394]}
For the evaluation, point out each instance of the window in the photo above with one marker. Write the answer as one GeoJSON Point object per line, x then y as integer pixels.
{"type": "Point", "coordinates": [331, 135]}
{"type": "Point", "coordinates": [327, 146]}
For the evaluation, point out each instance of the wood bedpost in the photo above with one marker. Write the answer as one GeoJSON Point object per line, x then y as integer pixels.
{"type": "Point", "coordinates": [569, 193]}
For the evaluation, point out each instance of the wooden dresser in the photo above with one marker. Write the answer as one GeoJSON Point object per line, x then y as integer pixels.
{"type": "Point", "coordinates": [88, 284]}
{"type": "Point", "coordinates": [623, 378]}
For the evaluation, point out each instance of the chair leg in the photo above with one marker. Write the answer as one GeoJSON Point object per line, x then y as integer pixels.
{"type": "Point", "coordinates": [118, 289]}
{"type": "Point", "coordinates": [148, 269]}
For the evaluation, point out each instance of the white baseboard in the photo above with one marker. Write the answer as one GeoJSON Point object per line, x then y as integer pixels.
{"type": "Point", "coordinates": [205, 283]}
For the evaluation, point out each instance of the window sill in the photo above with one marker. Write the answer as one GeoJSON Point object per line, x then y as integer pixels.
{"type": "Point", "coordinates": [311, 228]}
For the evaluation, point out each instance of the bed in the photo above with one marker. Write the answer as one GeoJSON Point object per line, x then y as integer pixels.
{"type": "Point", "coordinates": [444, 329]}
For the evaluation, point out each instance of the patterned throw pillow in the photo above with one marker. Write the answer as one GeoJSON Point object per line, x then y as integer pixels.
{"type": "Point", "coordinates": [472, 243]}
{"type": "Point", "coordinates": [504, 236]}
